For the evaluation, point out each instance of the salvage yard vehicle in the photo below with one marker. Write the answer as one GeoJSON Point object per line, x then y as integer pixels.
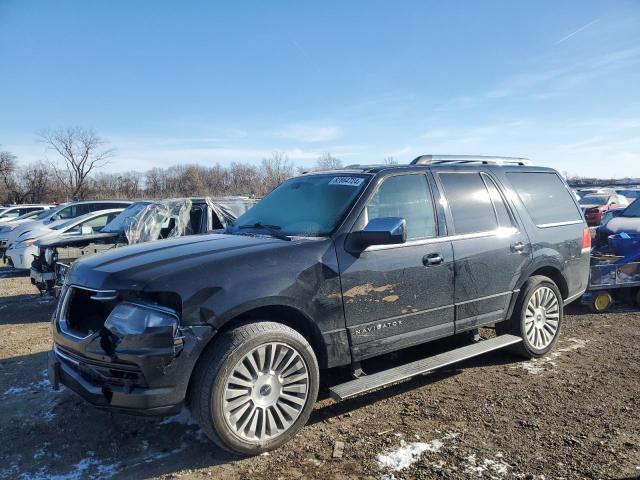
{"type": "Point", "coordinates": [329, 269]}
{"type": "Point", "coordinates": [140, 222]}
{"type": "Point", "coordinates": [11, 213]}
{"type": "Point", "coordinates": [20, 253]}
{"type": "Point", "coordinates": [66, 211]}
{"type": "Point", "coordinates": [594, 205]}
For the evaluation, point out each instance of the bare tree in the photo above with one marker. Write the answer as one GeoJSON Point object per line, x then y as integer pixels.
{"type": "Point", "coordinates": [275, 170]}
{"type": "Point", "coordinates": [82, 151]}
{"type": "Point", "coordinates": [389, 161]}
{"type": "Point", "coordinates": [328, 162]}
{"type": "Point", "coordinates": [7, 169]}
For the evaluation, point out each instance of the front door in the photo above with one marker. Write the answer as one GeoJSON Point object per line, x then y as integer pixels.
{"type": "Point", "coordinates": [490, 249]}
{"type": "Point", "coordinates": [396, 296]}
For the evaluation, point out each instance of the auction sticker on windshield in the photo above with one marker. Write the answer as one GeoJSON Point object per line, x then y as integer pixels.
{"type": "Point", "coordinates": [351, 181]}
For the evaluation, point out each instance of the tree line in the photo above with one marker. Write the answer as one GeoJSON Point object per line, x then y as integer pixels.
{"type": "Point", "coordinates": [80, 154]}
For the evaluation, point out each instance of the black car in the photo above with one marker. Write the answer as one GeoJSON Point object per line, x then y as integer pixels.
{"type": "Point", "coordinates": [141, 222]}
{"type": "Point", "coordinates": [329, 269]}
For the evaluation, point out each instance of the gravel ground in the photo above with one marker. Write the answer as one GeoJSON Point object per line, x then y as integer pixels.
{"type": "Point", "coordinates": [571, 415]}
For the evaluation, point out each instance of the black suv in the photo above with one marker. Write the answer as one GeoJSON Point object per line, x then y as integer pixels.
{"type": "Point", "coordinates": [329, 269]}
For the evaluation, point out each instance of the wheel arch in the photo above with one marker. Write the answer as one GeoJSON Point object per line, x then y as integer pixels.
{"type": "Point", "coordinates": [552, 272]}
{"type": "Point", "coordinates": [285, 314]}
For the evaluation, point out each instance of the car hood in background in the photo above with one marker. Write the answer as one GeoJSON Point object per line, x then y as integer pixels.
{"type": "Point", "coordinates": [624, 224]}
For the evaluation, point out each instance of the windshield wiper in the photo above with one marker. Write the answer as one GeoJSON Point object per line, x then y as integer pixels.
{"type": "Point", "coordinates": [272, 229]}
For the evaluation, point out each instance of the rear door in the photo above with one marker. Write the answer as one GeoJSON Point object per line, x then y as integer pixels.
{"type": "Point", "coordinates": [394, 296]}
{"type": "Point", "coordinates": [489, 247]}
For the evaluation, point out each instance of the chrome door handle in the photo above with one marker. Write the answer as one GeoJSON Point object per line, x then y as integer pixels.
{"type": "Point", "coordinates": [432, 259]}
{"type": "Point", "coordinates": [517, 247]}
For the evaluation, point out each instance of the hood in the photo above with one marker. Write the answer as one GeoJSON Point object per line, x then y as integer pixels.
{"type": "Point", "coordinates": [624, 224]}
{"type": "Point", "coordinates": [161, 264]}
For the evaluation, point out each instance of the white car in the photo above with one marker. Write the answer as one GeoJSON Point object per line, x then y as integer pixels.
{"type": "Point", "coordinates": [21, 252]}
{"type": "Point", "coordinates": [10, 231]}
{"type": "Point", "coordinates": [9, 214]}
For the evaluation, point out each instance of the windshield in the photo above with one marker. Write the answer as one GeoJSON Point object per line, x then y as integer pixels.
{"type": "Point", "coordinates": [64, 224]}
{"type": "Point", "coordinates": [594, 200]}
{"type": "Point", "coordinates": [632, 210]}
{"type": "Point", "coordinates": [124, 218]}
{"type": "Point", "coordinates": [306, 206]}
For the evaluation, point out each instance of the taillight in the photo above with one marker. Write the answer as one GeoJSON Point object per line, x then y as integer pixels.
{"type": "Point", "coordinates": [586, 239]}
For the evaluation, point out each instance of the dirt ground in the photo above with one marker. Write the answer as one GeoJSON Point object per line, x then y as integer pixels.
{"type": "Point", "coordinates": [571, 415]}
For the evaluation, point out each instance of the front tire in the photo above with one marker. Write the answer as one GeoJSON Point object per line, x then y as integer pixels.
{"type": "Point", "coordinates": [537, 317]}
{"type": "Point", "coordinates": [255, 387]}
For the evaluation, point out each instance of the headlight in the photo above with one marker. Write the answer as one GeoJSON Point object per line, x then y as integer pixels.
{"type": "Point", "coordinates": [26, 243]}
{"type": "Point", "coordinates": [50, 255]}
{"type": "Point", "coordinates": [133, 319]}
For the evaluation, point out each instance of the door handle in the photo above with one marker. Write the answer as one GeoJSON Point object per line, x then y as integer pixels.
{"type": "Point", "coordinates": [432, 259]}
{"type": "Point", "coordinates": [517, 247]}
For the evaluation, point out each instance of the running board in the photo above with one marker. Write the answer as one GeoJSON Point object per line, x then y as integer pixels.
{"type": "Point", "coordinates": [371, 382]}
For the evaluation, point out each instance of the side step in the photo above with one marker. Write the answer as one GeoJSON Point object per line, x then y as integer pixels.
{"type": "Point", "coordinates": [403, 372]}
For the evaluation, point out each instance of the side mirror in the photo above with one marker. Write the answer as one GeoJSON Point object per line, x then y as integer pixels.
{"type": "Point", "coordinates": [382, 231]}
{"type": "Point", "coordinates": [86, 230]}
{"type": "Point", "coordinates": [55, 218]}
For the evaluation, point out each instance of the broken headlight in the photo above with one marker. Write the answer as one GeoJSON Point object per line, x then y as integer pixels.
{"type": "Point", "coordinates": [134, 319]}
{"type": "Point", "coordinates": [50, 256]}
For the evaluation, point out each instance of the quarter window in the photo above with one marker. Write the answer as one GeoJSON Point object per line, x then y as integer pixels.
{"type": "Point", "coordinates": [469, 202]}
{"type": "Point", "coordinates": [408, 197]}
{"type": "Point", "coordinates": [545, 196]}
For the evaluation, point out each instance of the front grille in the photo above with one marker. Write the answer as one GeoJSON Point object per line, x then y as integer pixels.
{"type": "Point", "coordinates": [81, 314]}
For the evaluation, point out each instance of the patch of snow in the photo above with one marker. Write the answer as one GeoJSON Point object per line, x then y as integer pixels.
{"type": "Point", "coordinates": [89, 467]}
{"type": "Point", "coordinates": [539, 365]}
{"type": "Point", "coordinates": [493, 469]}
{"type": "Point", "coordinates": [183, 418]}
{"type": "Point", "coordinates": [407, 454]}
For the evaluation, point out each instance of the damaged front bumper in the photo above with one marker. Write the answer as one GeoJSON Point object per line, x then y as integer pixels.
{"type": "Point", "coordinates": [142, 373]}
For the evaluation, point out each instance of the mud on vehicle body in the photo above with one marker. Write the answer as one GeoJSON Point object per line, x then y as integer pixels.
{"type": "Point", "coordinates": [329, 269]}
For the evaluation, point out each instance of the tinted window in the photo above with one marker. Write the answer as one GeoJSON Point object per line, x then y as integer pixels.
{"type": "Point", "coordinates": [545, 196]}
{"type": "Point", "coordinates": [470, 202]}
{"type": "Point", "coordinates": [408, 197]}
{"type": "Point", "coordinates": [68, 212]}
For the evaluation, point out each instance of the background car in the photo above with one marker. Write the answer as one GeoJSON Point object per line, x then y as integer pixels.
{"type": "Point", "coordinates": [21, 252]}
{"type": "Point", "coordinates": [595, 204]}
{"type": "Point", "coordinates": [11, 213]}
{"type": "Point", "coordinates": [139, 223]}
{"type": "Point", "coordinates": [65, 211]}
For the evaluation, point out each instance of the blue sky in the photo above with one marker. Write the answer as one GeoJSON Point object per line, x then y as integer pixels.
{"type": "Point", "coordinates": [205, 82]}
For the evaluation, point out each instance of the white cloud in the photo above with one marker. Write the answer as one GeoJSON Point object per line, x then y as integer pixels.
{"type": "Point", "coordinates": [307, 133]}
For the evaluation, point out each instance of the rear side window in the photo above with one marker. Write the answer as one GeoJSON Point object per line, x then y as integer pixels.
{"type": "Point", "coordinates": [469, 202]}
{"type": "Point", "coordinates": [545, 196]}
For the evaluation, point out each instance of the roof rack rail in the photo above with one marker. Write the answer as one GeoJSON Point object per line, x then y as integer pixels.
{"type": "Point", "coordinates": [465, 159]}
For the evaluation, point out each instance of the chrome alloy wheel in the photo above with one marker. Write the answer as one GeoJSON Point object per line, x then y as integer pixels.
{"type": "Point", "coordinates": [542, 318]}
{"type": "Point", "coordinates": [266, 392]}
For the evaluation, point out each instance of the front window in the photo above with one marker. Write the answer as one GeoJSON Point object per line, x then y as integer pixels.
{"type": "Point", "coordinates": [408, 197]}
{"type": "Point", "coordinates": [309, 205]}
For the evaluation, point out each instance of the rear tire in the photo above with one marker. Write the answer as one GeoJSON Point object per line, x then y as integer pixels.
{"type": "Point", "coordinates": [537, 318]}
{"type": "Point", "coordinates": [255, 387]}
